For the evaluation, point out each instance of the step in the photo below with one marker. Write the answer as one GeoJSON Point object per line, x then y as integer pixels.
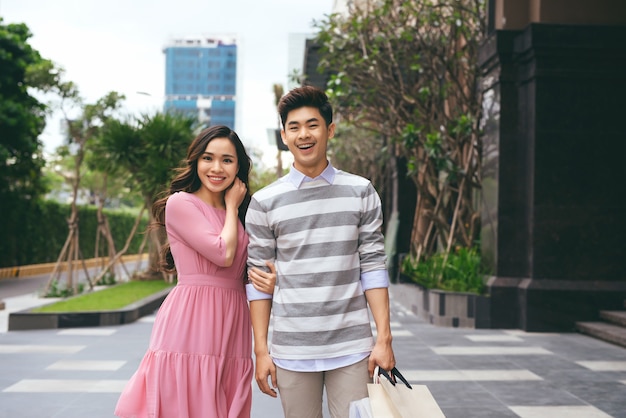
{"type": "Point", "coordinates": [604, 331]}
{"type": "Point", "coordinates": [615, 317]}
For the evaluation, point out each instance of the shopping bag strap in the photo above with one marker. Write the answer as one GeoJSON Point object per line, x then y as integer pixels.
{"type": "Point", "coordinates": [392, 374]}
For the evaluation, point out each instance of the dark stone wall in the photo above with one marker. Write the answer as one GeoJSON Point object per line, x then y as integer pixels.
{"type": "Point", "coordinates": [554, 212]}
{"type": "Point", "coordinates": [572, 91]}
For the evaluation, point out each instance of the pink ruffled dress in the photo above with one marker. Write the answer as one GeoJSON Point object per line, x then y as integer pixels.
{"type": "Point", "coordinates": [199, 361]}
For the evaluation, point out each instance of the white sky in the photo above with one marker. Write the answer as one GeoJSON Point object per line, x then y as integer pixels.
{"type": "Point", "coordinates": [116, 45]}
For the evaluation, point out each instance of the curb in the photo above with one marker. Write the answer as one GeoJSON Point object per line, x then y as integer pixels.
{"type": "Point", "coordinates": [28, 320]}
{"type": "Point", "coordinates": [45, 268]}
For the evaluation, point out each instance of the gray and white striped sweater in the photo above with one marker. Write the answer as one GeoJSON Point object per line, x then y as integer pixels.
{"type": "Point", "coordinates": [322, 237]}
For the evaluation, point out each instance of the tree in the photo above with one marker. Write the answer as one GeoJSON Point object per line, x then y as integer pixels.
{"type": "Point", "coordinates": [408, 71]}
{"type": "Point", "coordinates": [81, 131]}
{"type": "Point", "coordinates": [149, 150]}
{"type": "Point", "coordinates": [22, 120]}
{"type": "Point", "coordinates": [359, 151]}
{"type": "Point", "coordinates": [22, 117]}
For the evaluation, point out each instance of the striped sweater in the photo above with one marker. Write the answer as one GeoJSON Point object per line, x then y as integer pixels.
{"type": "Point", "coordinates": [321, 237]}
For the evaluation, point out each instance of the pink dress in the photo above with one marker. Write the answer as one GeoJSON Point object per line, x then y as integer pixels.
{"type": "Point", "coordinates": [199, 361]}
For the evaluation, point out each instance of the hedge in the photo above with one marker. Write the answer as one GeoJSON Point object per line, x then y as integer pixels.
{"type": "Point", "coordinates": [34, 232]}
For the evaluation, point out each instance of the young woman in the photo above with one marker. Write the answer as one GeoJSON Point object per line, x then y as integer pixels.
{"type": "Point", "coordinates": [199, 361]}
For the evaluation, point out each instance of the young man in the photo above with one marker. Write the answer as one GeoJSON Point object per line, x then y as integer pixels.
{"type": "Point", "coordinates": [322, 229]}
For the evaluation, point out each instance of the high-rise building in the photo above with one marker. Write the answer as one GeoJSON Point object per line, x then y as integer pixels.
{"type": "Point", "coordinates": [296, 45]}
{"type": "Point", "coordinates": [201, 77]}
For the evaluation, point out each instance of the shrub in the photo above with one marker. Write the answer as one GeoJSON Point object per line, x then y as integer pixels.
{"type": "Point", "coordinates": [462, 271]}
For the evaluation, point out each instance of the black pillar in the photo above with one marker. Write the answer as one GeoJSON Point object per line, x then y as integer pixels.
{"type": "Point", "coordinates": [554, 176]}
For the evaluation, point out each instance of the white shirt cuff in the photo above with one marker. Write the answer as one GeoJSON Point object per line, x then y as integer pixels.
{"type": "Point", "coordinates": [374, 279]}
{"type": "Point", "coordinates": [254, 294]}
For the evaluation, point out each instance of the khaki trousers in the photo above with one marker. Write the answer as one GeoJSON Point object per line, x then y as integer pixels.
{"type": "Point", "coordinates": [301, 392]}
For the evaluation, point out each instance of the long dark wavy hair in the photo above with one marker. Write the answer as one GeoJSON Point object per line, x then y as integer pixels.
{"type": "Point", "coordinates": [187, 180]}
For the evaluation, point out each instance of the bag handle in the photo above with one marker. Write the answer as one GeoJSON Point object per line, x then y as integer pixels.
{"type": "Point", "coordinates": [391, 376]}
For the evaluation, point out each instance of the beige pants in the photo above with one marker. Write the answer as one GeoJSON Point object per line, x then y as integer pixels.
{"type": "Point", "coordinates": [301, 392]}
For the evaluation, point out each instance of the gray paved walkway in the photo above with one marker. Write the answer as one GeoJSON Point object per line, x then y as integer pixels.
{"type": "Point", "coordinates": [78, 373]}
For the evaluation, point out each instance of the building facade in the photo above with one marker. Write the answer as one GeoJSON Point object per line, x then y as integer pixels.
{"type": "Point", "coordinates": [201, 78]}
{"type": "Point", "coordinates": [552, 206]}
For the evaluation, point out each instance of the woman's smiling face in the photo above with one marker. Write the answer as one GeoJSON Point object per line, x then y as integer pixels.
{"type": "Point", "coordinates": [218, 165]}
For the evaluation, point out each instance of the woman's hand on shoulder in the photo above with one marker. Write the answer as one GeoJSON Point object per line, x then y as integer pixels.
{"type": "Point", "coordinates": [263, 281]}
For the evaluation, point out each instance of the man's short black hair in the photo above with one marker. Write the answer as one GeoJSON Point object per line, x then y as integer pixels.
{"type": "Point", "coordinates": [309, 96]}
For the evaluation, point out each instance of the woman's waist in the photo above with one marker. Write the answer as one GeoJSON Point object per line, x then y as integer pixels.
{"type": "Point", "coordinates": [205, 279]}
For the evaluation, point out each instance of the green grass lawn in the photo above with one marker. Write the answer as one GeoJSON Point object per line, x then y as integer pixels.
{"type": "Point", "coordinates": [114, 297]}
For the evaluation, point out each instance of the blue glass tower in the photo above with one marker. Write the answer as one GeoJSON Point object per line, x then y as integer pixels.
{"type": "Point", "coordinates": [201, 78]}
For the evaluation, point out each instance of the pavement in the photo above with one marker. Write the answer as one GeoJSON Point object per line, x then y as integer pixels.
{"type": "Point", "coordinates": [79, 372]}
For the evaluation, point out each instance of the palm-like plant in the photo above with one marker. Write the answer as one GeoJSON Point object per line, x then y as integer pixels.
{"type": "Point", "coordinates": [148, 150]}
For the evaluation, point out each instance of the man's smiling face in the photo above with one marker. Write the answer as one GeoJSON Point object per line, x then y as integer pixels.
{"type": "Point", "coordinates": [306, 135]}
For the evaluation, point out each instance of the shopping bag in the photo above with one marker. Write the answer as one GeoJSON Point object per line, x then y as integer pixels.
{"type": "Point", "coordinates": [380, 403]}
{"type": "Point", "coordinates": [391, 399]}
{"type": "Point", "coordinates": [360, 409]}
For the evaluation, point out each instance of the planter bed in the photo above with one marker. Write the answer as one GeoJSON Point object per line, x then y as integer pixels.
{"type": "Point", "coordinates": [26, 319]}
{"type": "Point", "coordinates": [444, 308]}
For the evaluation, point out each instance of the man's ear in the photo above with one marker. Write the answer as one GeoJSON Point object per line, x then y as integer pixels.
{"type": "Point", "coordinates": [331, 130]}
